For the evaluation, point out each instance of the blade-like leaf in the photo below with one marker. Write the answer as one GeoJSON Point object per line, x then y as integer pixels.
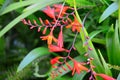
{"type": "Point", "coordinates": [17, 5]}
{"type": "Point", "coordinates": [113, 45]}
{"type": "Point", "coordinates": [112, 8]}
{"type": "Point", "coordinates": [94, 33]}
{"type": "Point", "coordinates": [42, 4]}
{"type": "Point", "coordinates": [99, 41]}
{"type": "Point", "coordinates": [30, 7]}
{"type": "Point", "coordinates": [6, 3]}
{"type": "Point", "coordinates": [109, 43]}
{"type": "Point", "coordinates": [79, 47]}
{"type": "Point", "coordinates": [81, 3]}
{"type": "Point", "coordinates": [107, 70]}
{"type": "Point", "coordinates": [34, 54]}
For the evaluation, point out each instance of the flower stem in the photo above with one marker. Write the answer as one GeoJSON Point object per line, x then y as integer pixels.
{"type": "Point", "coordinates": [89, 47]}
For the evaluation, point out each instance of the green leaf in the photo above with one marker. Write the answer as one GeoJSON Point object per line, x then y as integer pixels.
{"type": "Point", "coordinates": [17, 5]}
{"type": "Point", "coordinates": [34, 54]}
{"type": "Point", "coordinates": [6, 3]}
{"type": "Point", "coordinates": [30, 7]}
{"type": "Point", "coordinates": [81, 3]}
{"type": "Point", "coordinates": [93, 53]}
{"type": "Point", "coordinates": [106, 68]}
{"type": "Point", "coordinates": [79, 76]}
{"type": "Point", "coordinates": [112, 8]}
{"type": "Point", "coordinates": [94, 33]}
{"type": "Point", "coordinates": [42, 4]}
{"type": "Point", "coordinates": [99, 41]}
{"type": "Point", "coordinates": [1, 1]}
{"type": "Point", "coordinates": [113, 45]}
{"type": "Point", "coordinates": [79, 47]}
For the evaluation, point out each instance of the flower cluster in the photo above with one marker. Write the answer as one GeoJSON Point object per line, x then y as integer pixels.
{"type": "Point", "coordinates": [59, 19]}
{"type": "Point", "coordinates": [78, 66]}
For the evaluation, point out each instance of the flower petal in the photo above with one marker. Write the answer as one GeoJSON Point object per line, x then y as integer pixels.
{"type": "Point", "coordinates": [54, 48]}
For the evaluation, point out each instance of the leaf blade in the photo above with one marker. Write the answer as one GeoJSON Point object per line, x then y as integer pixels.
{"type": "Point", "coordinates": [112, 8]}
{"type": "Point", "coordinates": [17, 5]}
{"type": "Point", "coordinates": [35, 53]}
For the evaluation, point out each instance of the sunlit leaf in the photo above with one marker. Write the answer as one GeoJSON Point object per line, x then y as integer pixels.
{"type": "Point", "coordinates": [81, 3]}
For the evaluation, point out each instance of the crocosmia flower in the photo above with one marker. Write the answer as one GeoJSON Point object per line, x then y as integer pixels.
{"type": "Point", "coordinates": [49, 11]}
{"type": "Point", "coordinates": [78, 67]}
{"type": "Point", "coordinates": [55, 48]}
{"type": "Point", "coordinates": [60, 39]}
{"type": "Point", "coordinates": [75, 25]}
{"type": "Point", "coordinates": [49, 38]}
{"type": "Point", "coordinates": [55, 60]}
{"type": "Point", "coordinates": [58, 8]}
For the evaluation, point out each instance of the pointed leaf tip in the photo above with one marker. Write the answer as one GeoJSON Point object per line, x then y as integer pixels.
{"type": "Point", "coordinates": [34, 54]}
{"type": "Point", "coordinates": [112, 8]}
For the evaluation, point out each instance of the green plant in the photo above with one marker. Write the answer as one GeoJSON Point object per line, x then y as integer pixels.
{"type": "Point", "coordinates": [74, 49]}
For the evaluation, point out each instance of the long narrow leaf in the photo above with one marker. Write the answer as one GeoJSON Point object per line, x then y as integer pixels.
{"type": "Point", "coordinates": [6, 3]}
{"type": "Point", "coordinates": [17, 5]}
{"type": "Point", "coordinates": [112, 8]}
{"type": "Point", "coordinates": [113, 45]}
{"type": "Point", "coordinates": [107, 70]}
{"type": "Point", "coordinates": [34, 54]}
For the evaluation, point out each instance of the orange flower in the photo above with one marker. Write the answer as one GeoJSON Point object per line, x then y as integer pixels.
{"type": "Point", "coordinates": [58, 7]}
{"type": "Point", "coordinates": [50, 12]}
{"type": "Point", "coordinates": [49, 38]}
{"type": "Point", "coordinates": [55, 60]}
{"type": "Point", "coordinates": [75, 25]}
{"type": "Point", "coordinates": [105, 77]}
{"type": "Point", "coordinates": [60, 39]}
{"type": "Point", "coordinates": [78, 67]}
{"type": "Point", "coordinates": [54, 48]}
